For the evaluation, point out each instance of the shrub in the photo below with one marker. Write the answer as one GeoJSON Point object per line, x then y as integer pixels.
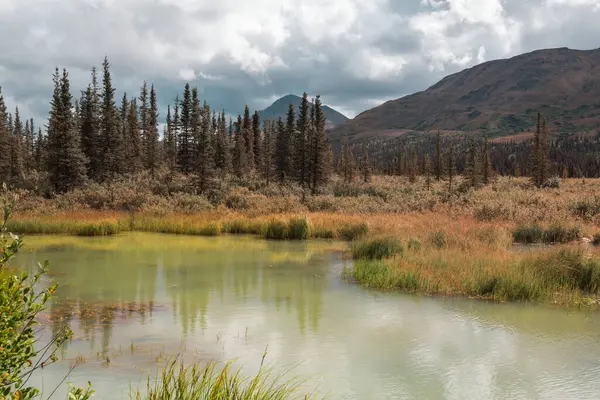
{"type": "Point", "coordinates": [438, 239]}
{"type": "Point", "coordinates": [552, 183]}
{"type": "Point", "coordinates": [528, 234]}
{"type": "Point", "coordinates": [276, 230]}
{"type": "Point", "coordinates": [586, 209]}
{"type": "Point", "coordinates": [353, 231]}
{"type": "Point", "coordinates": [414, 244]}
{"type": "Point", "coordinates": [560, 234]}
{"type": "Point", "coordinates": [376, 249]}
{"type": "Point", "coordinates": [596, 239]}
{"type": "Point", "coordinates": [299, 228]}
{"type": "Point", "coordinates": [489, 212]}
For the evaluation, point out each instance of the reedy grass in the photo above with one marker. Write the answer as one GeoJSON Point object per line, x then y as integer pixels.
{"type": "Point", "coordinates": [553, 234]}
{"type": "Point", "coordinates": [177, 381]}
{"type": "Point", "coordinates": [376, 249]}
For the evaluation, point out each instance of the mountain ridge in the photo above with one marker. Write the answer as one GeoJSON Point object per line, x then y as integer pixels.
{"type": "Point", "coordinates": [498, 96]}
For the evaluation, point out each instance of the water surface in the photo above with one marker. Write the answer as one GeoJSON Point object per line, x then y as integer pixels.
{"type": "Point", "coordinates": [133, 300]}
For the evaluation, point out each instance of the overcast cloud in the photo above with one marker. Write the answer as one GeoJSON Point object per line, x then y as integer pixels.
{"type": "Point", "coordinates": [355, 53]}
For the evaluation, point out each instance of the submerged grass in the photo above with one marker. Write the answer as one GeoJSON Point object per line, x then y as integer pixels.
{"type": "Point", "coordinates": [177, 381]}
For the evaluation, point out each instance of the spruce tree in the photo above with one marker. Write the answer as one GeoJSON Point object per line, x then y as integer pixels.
{"type": "Point", "coordinates": [347, 162]}
{"type": "Point", "coordinates": [184, 142]}
{"type": "Point", "coordinates": [248, 138]}
{"type": "Point", "coordinates": [5, 142]}
{"type": "Point", "coordinates": [204, 151]}
{"type": "Point", "coordinates": [412, 168]}
{"type": "Point", "coordinates": [321, 167]}
{"type": "Point", "coordinates": [113, 155]}
{"type": "Point", "coordinates": [438, 157]}
{"type": "Point", "coordinates": [133, 138]}
{"type": "Point", "coordinates": [40, 150]}
{"type": "Point", "coordinates": [195, 126]}
{"type": "Point", "coordinates": [427, 172]}
{"type": "Point", "coordinates": [16, 149]}
{"type": "Point", "coordinates": [143, 110]}
{"type": "Point", "coordinates": [450, 167]}
{"type": "Point", "coordinates": [65, 158]}
{"type": "Point", "coordinates": [257, 146]}
{"type": "Point", "coordinates": [486, 161]}
{"type": "Point", "coordinates": [472, 165]}
{"type": "Point", "coordinates": [27, 149]}
{"type": "Point", "coordinates": [152, 155]}
{"type": "Point", "coordinates": [282, 145]}
{"type": "Point", "coordinates": [89, 130]}
{"type": "Point", "coordinates": [222, 147]}
{"type": "Point", "coordinates": [170, 141]}
{"type": "Point", "coordinates": [366, 166]}
{"type": "Point", "coordinates": [240, 166]}
{"type": "Point", "coordinates": [299, 141]}
{"type": "Point", "coordinates": [267, 150]}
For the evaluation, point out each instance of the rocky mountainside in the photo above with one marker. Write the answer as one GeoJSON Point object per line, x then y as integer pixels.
{"type": "Point", "coordinates": [500, 96]}
{"type": "Point", "coordinates": [280, 108]}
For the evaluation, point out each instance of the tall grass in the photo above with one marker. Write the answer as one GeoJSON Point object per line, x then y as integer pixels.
{"type": "Point", "coordinates": [532, 234]}
{"type": "Point", "coordinates": [376, 249]}
{"type": "Point", "coordinates": [177, 381]}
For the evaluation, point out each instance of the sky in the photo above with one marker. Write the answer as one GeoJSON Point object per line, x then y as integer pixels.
{"type": "Point", "coordinates": [356, 54]}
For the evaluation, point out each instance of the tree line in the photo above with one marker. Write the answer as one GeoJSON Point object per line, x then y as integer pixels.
{"type": "Point", "coordinates": [94, 139]}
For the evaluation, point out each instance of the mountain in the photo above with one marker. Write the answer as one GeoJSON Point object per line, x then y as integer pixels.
{"type": "Point", "coordinates": [280, 108]}
{"type": "Point", "coordinates": [501, 97]}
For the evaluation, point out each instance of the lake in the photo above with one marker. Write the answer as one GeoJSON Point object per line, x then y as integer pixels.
{"type": "Point", "coordinates": [133, 300]}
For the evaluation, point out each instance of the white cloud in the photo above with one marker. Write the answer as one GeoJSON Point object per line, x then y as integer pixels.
{"type": "Point", "coordinates": [237, 51]}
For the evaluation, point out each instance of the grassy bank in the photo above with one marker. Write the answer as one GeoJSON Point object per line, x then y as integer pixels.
{"type": "Point", "coordinates": [563, 275]}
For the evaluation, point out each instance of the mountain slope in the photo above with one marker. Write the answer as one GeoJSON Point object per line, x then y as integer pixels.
{"type": "Point", "coordinates": [280, 108]}
{"type": "Point", "coordinates": [501, 96]}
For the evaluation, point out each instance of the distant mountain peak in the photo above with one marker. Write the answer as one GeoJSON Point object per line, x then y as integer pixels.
{"type": "Point", "coordinates": [280, 107]}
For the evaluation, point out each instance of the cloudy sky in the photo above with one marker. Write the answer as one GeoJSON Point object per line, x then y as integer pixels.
{"type": "Point", "coordinates": [355, 53]}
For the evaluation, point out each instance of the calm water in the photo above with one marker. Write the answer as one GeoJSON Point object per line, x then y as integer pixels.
{"type": "Point", "coordinates": [133, 300]}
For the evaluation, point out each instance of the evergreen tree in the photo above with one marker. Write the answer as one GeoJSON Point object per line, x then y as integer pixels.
{"type": "Point", "coordinates": [170, 140]}
{"type": "Point", "coordinates": [185, 135]}
{"type": "Point", "coordinates": [16, 149]}
{"type": "Point", "coordinates": [113, 155]}
{"type": "Point", "coordinates": [133, 139]}
{"type": "Point", "coordinates": [267, 150]}
{"type": "Point", "coordinates": [438, 157]}
{"type": "Point", "coordinates": [222, 153]}
{"type": "Point", "coordinates": [472, 167]}
{"type": "Point", "coordinates": [412, 168]}
{"type": "Point", "coordinates": [257, 146]}
{"type": "Point", "coordinates": [176, 127]}
{"type": "Point", "coordinates": [240, 167]}
{"type": "Point", "coordinates": [366, 166]}
{"type": "Point", "coordinates": [5, 142]}
{"type": "Point", "coordinates": [143, 109]}
{"type": "Point", "coordinates": [152, 155]}
{"type": "Point", "coordinates": [320, 164]}
{"type": "Point", "coordinates": [204, 151]}
{"type": "Point", "coordinates": [40, 150]}
{"type": "Point", "coordinates": [89, 130]}
{"type": "Point", "coordinates": [299, 141]}
{"type": "Point", "coordinates": [27, 150]}
{"type": "Point", "coordinates": [486, 162]}
{"type": "Point", "coordinates": [540, 163]}
{"type": "Point", "coordinates": [65, 160]}
{"type": "Point", "coordinates": [347, 162]}
{"type": "Point", "coordinates": [248, 138]}
{"type": "Point", "coordinates": [282, 146]}
{"type": "Point", "coordinates": [427, 172]}
{"type": "Point", "coordinates": [451, 167]}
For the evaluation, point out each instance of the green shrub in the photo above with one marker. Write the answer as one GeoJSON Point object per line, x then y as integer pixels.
{"type": "Point", "coordinates": [560, 234]}
{"type": "Point", "coordinates": [299, 228]}
{"type": "Point", "coordinates": [353, 231]}
{"type": "Point", "coordinates": [528, 234]}
{"type": "Point", "coordinates": [276, 230]}
{"type": "Point", "coordinates": [414, 244]}
{"type": "Point", "coordinates": [376, 249]}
